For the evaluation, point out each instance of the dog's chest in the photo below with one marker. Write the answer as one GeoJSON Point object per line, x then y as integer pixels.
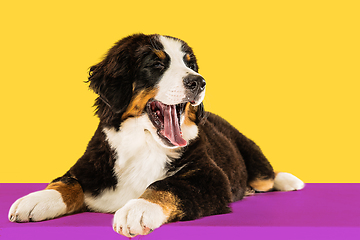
{"type": "Point", "coordinates": [139, 162]}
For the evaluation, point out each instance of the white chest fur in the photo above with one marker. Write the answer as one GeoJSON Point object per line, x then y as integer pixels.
{"type": "Point", "coordinates": [140, 161]}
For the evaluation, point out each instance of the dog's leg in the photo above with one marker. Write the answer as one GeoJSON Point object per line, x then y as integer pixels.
{"type": "Point", "coordinates": [261, 176]}
{"type": "Point", "coordinates": [282, 182]}
{"type": "Point", "coordinates": [62, 196]}
{"type": "Point", "coordinates": [260, 172]}
{"type": "Point", "coordinates": [193, 192]}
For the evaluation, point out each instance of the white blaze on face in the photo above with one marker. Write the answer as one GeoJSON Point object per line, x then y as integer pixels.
{"type": "Point", "coordinates": [171, 86]}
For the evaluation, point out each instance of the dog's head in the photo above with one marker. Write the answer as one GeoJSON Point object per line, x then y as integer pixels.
{"type": "Point", "coordinates": [150, 75]}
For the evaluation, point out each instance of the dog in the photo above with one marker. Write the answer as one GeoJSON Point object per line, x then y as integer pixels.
{"type": "Point", "coordinates": [157, 156]}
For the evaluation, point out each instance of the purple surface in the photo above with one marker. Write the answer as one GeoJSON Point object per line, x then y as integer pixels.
{"type": "Point", "coordinates": [320, 211]}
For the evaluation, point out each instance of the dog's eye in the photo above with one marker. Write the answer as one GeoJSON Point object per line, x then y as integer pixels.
{"type": "Point", "coordinates": [190, 63]}
{"type": "Point", "coordinates": [158, 65]}
{"type": "Point", "coordinates": [192, 66]}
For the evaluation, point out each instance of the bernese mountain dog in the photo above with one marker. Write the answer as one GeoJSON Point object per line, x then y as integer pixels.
{"type": "Point", "coordinates": [156, 156]}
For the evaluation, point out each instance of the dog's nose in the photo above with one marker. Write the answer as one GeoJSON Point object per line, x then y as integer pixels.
{"type": "Point", "coordinates": [195, 83]}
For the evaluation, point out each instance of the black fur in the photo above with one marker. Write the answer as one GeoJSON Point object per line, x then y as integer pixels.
{"type": "Point", "coordinates": [129, 66]}
{"type": "Point", "coordinates": [95, 169]}
{"type": "Point", "coordinates": [214, 169]}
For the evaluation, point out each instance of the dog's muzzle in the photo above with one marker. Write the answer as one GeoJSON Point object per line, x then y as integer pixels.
{"type": "Point", "coordinates": [194, 85]}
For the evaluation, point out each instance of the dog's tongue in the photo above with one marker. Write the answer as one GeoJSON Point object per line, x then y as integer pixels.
{"type": "Point", "coordinates": [172, 127]}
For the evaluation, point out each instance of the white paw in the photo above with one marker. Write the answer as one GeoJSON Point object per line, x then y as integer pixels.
{"type": "Point", "coordinates": [37, 206]}
{"type": "Point", "coordinates": [138, 217]}
{"type": "Point", "coordinates": [287, 182]}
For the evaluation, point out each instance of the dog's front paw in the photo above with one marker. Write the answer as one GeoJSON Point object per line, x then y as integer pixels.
{"type": "Point", "coordinates": [287, 182]}
{"type": "Point", "coordinates": [37, 206]}
{"type": "Point", "coordinates": [138, 217]}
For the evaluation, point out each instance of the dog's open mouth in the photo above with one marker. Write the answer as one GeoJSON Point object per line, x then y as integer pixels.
{"type": "Point", "coordinates": [166, 119]}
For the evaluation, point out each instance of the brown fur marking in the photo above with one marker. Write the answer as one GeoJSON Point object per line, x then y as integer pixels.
{"type": "Point", "coordinates": [72, 195]}
{"type": "Point", "coordinates": [138, 103]}
{"type": "Point", "coordinates": [160, 54]}
{"type": "Point", "coordinates": [190, 114]}
{"type": "Point", "coordinates": [262, 184]}
{"type": "Point", "coordinates": [168, 202]}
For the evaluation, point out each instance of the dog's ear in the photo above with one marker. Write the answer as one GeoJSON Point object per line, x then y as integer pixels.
{"type": "Point", "coordinates": [111, 79]}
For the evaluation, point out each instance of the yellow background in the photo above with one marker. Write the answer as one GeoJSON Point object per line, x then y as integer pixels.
{"type": "Point", "coordinates": [285, 73]}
